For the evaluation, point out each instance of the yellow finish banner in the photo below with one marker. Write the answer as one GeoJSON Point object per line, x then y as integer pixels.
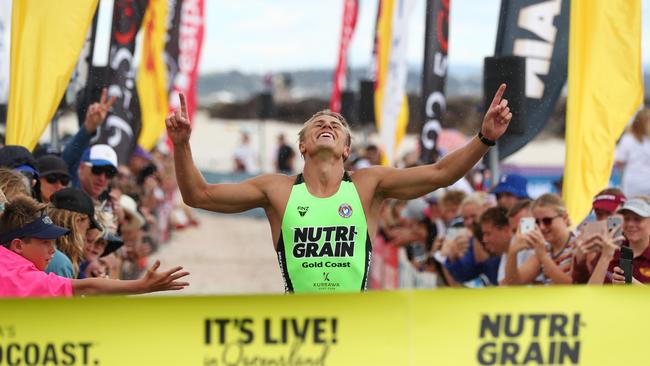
{"type": "Point", "coordinates": [501, 326]}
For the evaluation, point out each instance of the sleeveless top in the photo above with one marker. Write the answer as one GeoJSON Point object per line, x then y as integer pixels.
{"type": "Point", "coordinates": [324, 244]}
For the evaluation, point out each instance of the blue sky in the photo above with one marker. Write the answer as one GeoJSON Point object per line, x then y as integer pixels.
{"type": "Point", "coordinates": [278, 35]}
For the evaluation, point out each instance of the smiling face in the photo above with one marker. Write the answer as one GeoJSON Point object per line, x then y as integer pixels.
{"type": "Point", "coordinates": [635, 227]}
{"type": "Point", "coordinates": [325, 131]}
{"type": "Point", "coordinates": [553, 224]}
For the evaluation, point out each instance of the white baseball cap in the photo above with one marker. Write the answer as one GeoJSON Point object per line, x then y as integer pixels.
{"type": "Point", "coordinates": [100, 155]}
{"type": "Point", "coordinates": [637, 205]}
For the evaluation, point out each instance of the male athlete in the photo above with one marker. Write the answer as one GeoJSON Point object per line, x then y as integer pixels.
{"type": "Point", "coordinates": [322, 220]}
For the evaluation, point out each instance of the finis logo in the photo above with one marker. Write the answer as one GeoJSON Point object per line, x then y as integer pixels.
{"type": "Point", "coordinates": [522, 339]}
{"type": "Point", "coordinates": [302, 210]}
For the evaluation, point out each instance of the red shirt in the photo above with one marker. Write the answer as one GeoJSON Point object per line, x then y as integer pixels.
{"type": "Point", "coordinates": [20, 278]}
{"type": "Point", "coordinates": [640, 266]}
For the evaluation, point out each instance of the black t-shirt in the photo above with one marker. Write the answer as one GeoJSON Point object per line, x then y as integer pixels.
{"type": "Point", "coordinates": [285, 154]}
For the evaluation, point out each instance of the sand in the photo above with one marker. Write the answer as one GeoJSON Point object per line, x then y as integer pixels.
{"type": "Point", "coordinates": [225, 255]}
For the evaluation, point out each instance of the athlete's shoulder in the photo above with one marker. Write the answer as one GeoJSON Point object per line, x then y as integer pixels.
{"type": "Point", "coordinates": [369, 173]}
{"type": "Point", "coordinates": [274, 179]}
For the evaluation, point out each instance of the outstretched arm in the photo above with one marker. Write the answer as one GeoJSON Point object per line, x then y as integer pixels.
{"type": "Point", "coordinates": [151, 282]}
{"type": "Point", "coordinates": [195, 190]}
{"type": "Point", "coordinates": [414, 182]}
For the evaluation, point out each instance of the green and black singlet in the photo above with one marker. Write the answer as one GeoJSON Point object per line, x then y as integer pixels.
{"type": "Point", "coordinates": [324, 244]}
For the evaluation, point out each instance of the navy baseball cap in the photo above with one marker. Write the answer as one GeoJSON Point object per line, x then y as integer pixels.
{"type": "Point", "coordinates": [514, 184]}
{"type": "Point", "coordinates": [41, 228]}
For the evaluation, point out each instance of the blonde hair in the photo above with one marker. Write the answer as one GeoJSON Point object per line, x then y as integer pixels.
{"type": "Point", "coordinates": [13, 183]}
{"type": "Point", "coordinates": [640, 127]}
{"type": "Point", "coordinates": [550, 200]}
{"type": "Point", "coordinates": [327, 112]}
{"type": "Point", "coordinates": [477, 198]}
{"type": "Point", "coordinates": [107, 220]}
{"type": "Point", "coordinates": [72, 245]}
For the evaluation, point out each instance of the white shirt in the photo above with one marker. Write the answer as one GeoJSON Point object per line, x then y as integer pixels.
{"type": "Point", "coordinates": [247, 155]}
{"type": "Point", "coordinates": [636, 156]}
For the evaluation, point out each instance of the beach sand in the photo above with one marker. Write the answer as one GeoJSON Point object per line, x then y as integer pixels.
{"type": "Point", "coordinates": [225, 255]}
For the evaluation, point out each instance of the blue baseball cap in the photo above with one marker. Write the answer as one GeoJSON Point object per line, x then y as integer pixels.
{"type": "Point", "coordinates": [41, 228]}
{"type": "Point", "coordinates": [514, 184]}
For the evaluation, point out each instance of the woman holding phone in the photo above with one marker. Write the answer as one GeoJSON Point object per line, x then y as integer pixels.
{"type": "Point", "coordinates": [551, 240]}
{"type": "Point", "coordinates": [636, 229]}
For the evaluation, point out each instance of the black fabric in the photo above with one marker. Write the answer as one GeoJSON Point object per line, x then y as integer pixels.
{"type": "Point", "coordinates": [282, 259]}
{"type": "Point", "coordinates": [52, 164]}
{"type": "Point", "coordinates": [73, 199]}
{"type": "Point", "coordinates": [13, 156]}
{"type": "Point", "coordinates": [285, 154]}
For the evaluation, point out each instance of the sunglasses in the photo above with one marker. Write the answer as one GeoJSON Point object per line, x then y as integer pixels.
{"type": "Point", "coordinates": [108, 171]}
{"type": "Point", "coordinates": [546, 220]}
{"type": "Point", "coordinates": [53, 178]}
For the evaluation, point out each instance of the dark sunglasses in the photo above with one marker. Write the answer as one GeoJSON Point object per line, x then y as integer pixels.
{"type": "Point", "coordinates": [108, 171]}
{"type": "Point", "coordinates": [53, 178]}
{"type": "Point", "coordinates": [546, 220]}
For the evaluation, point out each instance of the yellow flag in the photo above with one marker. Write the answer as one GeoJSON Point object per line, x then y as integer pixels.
{"type": "Point", "coordinates": [605, 91]}
{"type": "Point", "coordinates": [46, 39]}
{"type": "Point", "coordinates": [152, 75]}
{"type": "Point", "coordinates": [391, 104]}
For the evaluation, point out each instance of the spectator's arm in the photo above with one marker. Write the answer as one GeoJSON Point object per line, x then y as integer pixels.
{"type": "Point", "coordinates": [465, 268]}
{"type": "Point", "coordinates": [151, 282]}
{"type": "Point", "coordinates": [600, 271]}
{"type": "Point", "coordinates": [553, 271]}
{"type": "Point", "coordinates": [521, 275]}
{"type": "Point", "coordinates": [74, 149]}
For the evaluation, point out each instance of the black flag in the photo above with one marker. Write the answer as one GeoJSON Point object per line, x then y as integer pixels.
{"type": "Point", "coordinates": [537, 30]}
{"type": "Point", "coordinates": [118, 74]}
{"type": "Point", "coordinates": [434, 77]}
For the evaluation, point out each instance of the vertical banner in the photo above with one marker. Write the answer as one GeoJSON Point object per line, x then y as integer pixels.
{"type": "Point", "coordinates": [190, 42]}
{"type": "Point", "coordinates": [172, 39]}
{"type": "Point", "coordinates": [152, 74]}
{"type": "Point", "coordinates": [5, 44]}
{"type": "Point", "coordinates": [434, 77]}
{"type": "Point", "coordinates": [46, 39]}
{"type": "Point", "coordinates": [123, 124]}
{"type": "Point", "coordinates": [537, 30]}
{"type": "Point", "coordinates": [605, 91]}
{"type": "Point", "coordinates": [391, 104]}
{"type": "Point", "coordinates": [350, 10]}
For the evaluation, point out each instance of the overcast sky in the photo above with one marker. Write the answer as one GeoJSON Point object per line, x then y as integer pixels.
{"type": "Point", "coordinates": [279, 35]}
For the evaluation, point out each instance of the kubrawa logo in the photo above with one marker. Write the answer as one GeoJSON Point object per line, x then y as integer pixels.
{"type": "Point", "coordinates": [538, 338]}
{"type": "Point", "coordinates": [329, 241]}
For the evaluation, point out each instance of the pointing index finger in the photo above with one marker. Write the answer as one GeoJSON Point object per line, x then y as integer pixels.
{"type": "Point", "coordinates": [181, 96]}
{"type": "Point", "coordinates": [498, 95]}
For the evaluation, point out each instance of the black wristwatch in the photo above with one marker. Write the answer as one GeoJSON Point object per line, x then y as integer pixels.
{"type": "Point", "coordinates": [486, 140]}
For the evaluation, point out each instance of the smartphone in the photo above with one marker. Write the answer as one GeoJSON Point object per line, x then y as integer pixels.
{"type": "Point", "coordinates": [452, 233]}
{"type": "Point", "coordinates": [625, 262]}
{"type": "Point", "coordinates": [526, 224]}
{"type": "Point", "coordinates": [615, 226]}
{"type": "Point", "coordinates": [595, 227]}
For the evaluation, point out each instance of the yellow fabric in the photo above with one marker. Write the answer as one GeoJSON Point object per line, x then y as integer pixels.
{"type": "Point", "coordinates": [152, 75]}
{"type": "Point", "coordinates": [540, 325]}
{"type": "Point", "coordinates": [605, 91]}
{"type": "Point", "coordinates": [384, 34]}
{"type": "Point", "coordinates": [46, 39]}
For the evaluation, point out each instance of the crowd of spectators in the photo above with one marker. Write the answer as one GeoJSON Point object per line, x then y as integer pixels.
{"type": "Point", "coordinates": [475, 236]}
{"type": "Point", "coordinates": [97, 218]}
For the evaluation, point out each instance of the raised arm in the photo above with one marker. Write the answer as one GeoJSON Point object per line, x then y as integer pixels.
{"type": "Point", "coordinates": [414, 182]}
{"type": "Point", "coordinates": [196, 192]}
